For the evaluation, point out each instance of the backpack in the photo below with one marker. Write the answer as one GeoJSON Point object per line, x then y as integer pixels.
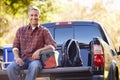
{"type": "Point", "coordinates": [71, 54]}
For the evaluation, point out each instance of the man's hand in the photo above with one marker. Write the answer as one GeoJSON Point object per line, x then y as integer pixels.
{"type": "Point", "coordinates": [36, 55]}
{"type": "Point", "coordinates": [19, 61]}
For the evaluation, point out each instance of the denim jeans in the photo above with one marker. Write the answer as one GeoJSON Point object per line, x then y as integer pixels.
{"type": "Point", "coordinates": [33, 67]}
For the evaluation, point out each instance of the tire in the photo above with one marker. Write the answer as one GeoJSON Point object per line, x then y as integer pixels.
{"type": "Point", "coordinates": [113, 74]}
{"type": "Point", "coordinates": [0, 67]}
{"type": "Point", "coordinates": [117, 74]}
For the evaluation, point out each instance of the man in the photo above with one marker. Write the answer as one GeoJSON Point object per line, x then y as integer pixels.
{"type": "Point", "coordinates": [30, 40]}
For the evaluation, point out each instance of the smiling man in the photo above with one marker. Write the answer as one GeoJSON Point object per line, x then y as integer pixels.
{"type": "Point", "coordinates": [29, 41]}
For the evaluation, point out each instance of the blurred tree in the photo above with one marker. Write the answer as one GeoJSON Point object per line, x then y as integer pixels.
{"type": "Point", "coordinates": [10, 9]}
{"type": "Point", "coordinates": [14, 13]}
{"type": "Point", "coordinates": [13, 6]}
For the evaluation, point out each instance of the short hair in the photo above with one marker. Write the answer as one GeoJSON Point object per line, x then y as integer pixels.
{"type": "Point", "coordinates": [33, 8]}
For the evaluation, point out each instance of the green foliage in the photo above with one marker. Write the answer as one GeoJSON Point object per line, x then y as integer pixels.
{"type": "Point", "coordinates": [3, 25]}
{"type": "Point", "coordinates": [13, 6]}
{"type": "Point", "coordinates": [15, 13]}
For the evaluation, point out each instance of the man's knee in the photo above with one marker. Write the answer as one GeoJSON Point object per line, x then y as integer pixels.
{"type": "Point", "coordinates": [11, 66]}
{"type": "Point", "coordinates": [35, 64]}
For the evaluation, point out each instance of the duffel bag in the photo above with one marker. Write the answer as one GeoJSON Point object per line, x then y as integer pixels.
{"type": "Point", "coordinates": [49, 58]}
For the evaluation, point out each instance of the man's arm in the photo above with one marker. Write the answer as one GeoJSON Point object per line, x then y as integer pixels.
{"type": "Point", "coordinates": [16, 52]}
{"type": "Point", "coordinates": [17, 58]}
{"type": "Point", "coordinates": [36, 54]}
{"type": "Point", "coordinates": [48, 47]}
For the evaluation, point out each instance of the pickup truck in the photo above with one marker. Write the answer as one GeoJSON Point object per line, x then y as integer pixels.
{"type": "Point", "coordinates": [101, 61]}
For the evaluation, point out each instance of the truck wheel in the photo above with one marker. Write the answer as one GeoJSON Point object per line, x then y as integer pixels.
{"type": "Point", "coordinates": [113, 74]}
{"type": "Point", "coordinates": [117, 74]}
{"type": "Point", "coordinates": [0, 66]}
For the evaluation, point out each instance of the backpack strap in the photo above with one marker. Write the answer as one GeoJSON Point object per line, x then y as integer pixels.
{"type": "Point", "coordinates": [64, 52]}
{"type": "Point", "coordinates": [65, 44]}
{"type": "Point", "coordinates": [70, 52]}
{"type": "Point", "coordinates": [77, 61]}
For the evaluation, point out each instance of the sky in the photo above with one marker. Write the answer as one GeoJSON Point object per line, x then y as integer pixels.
{"type": "Point", "coordinates": [108, 4]}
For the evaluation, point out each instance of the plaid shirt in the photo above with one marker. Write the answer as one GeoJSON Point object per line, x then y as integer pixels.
{"type": "Point", "coordinates": [28, 40]}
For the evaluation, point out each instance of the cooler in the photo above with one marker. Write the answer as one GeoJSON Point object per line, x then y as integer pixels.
{"type": "Point", "coordinates": [7, 57]}
{"type": "Point", "coordinates": [7, 54]}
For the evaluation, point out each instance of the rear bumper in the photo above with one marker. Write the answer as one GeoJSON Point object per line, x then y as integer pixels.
{"type": "Point", "coordinates": [97, 77]}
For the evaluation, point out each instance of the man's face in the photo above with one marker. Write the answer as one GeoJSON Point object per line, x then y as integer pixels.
{"type": "Point", "coordinates": [34, 17]}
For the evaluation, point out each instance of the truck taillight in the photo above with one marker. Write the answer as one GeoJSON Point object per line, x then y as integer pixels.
{"type": "Point", "coordinates": [98, 57]}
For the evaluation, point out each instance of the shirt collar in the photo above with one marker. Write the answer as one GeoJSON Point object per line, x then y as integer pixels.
{"type": "Point", "coordinates": [30, 27]}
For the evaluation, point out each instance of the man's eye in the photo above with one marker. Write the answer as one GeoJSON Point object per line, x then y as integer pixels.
{"type": "Point", "coordinates": [31, 15]}
{"type": "Point", "coordinates": [36, 15]}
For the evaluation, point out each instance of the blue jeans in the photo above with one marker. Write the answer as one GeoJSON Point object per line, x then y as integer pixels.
{"type": "Point", "coordinates": [13, 70]}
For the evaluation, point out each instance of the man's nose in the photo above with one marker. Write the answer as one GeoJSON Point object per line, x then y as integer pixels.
{"type": "Point", "coordinates": [33, 17]}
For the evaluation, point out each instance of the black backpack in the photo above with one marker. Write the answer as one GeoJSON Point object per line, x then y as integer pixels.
{"type": "Point", "coordinates": [71, 54]}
